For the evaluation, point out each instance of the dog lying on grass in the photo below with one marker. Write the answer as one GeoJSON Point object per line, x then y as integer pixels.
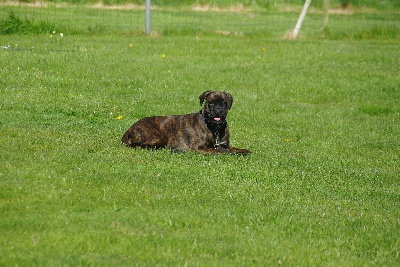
{"type": "Point", "coordinates": [205, 131]}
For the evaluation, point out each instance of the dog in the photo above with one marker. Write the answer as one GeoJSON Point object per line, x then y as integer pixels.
{"type": "Point", "coordinates": [205, 131]}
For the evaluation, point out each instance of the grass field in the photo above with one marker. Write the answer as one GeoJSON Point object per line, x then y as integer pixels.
{"type": "Point", "coordinates": [225, 3]}
{"type": "Point", "coordinates": [273, 21]}
{"type": "Point", "coordinates": [321, 188]}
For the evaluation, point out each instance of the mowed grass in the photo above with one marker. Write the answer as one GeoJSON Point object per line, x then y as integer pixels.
{"type": "Point", "coordinates": [273, 22]}
{"type": "Point", "coordinates": [321, 188]}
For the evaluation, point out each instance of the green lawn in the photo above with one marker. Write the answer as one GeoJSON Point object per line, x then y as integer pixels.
{"type": "Point", "coordinates": [272, 21]}
{"type": "Point", "coordinates": [321, 188]}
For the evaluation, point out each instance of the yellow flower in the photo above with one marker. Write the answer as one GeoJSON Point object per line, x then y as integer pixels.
{"type": "Point", "coordinates": [130, 45]}
{"type": "Point", "coordinates": [287, 140]}
{"type": "Point", "coordinates": [263, 49]}
{"type": "Point", "coordinates": [163, 56]}
{"type": "Point", "coordinates": [120, 117]}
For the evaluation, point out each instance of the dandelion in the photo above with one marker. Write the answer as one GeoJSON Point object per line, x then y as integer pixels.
{"type": "Point", "coordinates": [287, 140]}
{"type": "Point", "coordinates": [263, 49]}
{"type": "Point", "coordinates": [130, 45]}
{"type": "Point", "coordinates": [120, 117]}
{"type": "Point", "coordinates": [163, 56]}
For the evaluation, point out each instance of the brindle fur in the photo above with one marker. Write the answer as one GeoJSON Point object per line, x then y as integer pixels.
{"type": "Point", "coordinates": [196, 131]}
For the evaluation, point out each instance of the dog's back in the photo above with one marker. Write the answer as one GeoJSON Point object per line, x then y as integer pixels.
{"type": "Point", "coordinates": [176, 132]}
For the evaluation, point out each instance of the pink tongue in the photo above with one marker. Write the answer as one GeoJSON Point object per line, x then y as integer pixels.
{"type": "Point", "coordinates": [217, 119]}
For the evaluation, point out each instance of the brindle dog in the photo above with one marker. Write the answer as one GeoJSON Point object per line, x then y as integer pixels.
{"type": "Point", "coordinates": [205, 131]}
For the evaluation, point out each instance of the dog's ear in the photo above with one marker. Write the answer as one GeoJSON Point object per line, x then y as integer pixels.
{"type": "Point", "coordinates": [203, 96]}
{"type": "Point", "coordinates": [229, 99]}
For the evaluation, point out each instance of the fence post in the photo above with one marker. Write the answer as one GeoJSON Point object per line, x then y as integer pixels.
{"type": "Point", "coordinates": [301, 18]}
{"type": "Point", "coordinates": [147, 24]}
{"type": "Point", "coordinates": [325, 14]}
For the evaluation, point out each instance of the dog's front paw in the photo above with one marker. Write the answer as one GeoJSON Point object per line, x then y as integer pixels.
{"type": "Point", "coordinates": [239, 151]}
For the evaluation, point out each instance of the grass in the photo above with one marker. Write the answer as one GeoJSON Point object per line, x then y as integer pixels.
{"type": "Point", "coordinates": [320, 115]}
{"type": "Point", "coordinates": [274, 22]}
{"type": "Point", "coordinates": [227, 3]}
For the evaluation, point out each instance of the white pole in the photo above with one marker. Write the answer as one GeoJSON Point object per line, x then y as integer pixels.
{"type": "Point", "coordinates": [148, 6]}
{"type": "Point", "coordinates": [301, 19]}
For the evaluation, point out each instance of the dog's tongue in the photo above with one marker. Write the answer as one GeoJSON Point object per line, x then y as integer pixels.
{"type": "Point", "coordinates": [217, 119]}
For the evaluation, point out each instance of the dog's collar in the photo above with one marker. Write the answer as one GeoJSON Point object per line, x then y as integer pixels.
{"type": "Point", "coordinates": [216, 132]}
{"type": "Point", "coordinates": [217, 141]}
{"type": "Point", "coordinates": [217, 135]}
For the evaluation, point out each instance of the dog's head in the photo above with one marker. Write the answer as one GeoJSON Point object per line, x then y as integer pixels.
{"type": "Point", "coordinates": [217, 105]}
